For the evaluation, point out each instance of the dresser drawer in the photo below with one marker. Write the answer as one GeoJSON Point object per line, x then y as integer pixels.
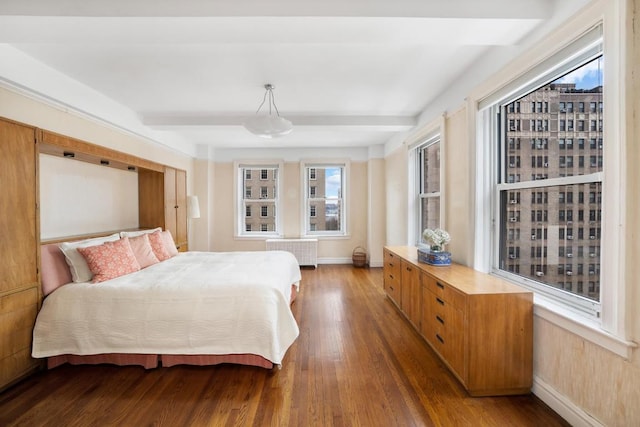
{"type": "Point", "coordinates": [444, 292]}
{"type": "Point", "coordinates": [393, 276]}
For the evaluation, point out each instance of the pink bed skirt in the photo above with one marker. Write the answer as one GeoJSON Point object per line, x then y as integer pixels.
{"type": "Point", "coordinates": [150, 361]}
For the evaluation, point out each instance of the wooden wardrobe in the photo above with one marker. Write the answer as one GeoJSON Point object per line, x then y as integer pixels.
{"type": "Point", "coordinates": [162, 203]}
{"type": "Point", "coordinates": [19, 249]}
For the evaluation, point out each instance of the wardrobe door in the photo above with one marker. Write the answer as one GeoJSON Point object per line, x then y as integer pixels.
{"type": "Point", "coordinates": [19, 282]}
{"type": "Point", "coordinates": [180, 235]}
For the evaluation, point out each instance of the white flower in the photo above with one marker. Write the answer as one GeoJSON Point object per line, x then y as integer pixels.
{"type": "Point", "coordinates": [437, 238]}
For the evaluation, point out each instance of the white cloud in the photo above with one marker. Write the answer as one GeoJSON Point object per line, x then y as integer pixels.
{"type": "Point", "coordinates": [588, 76]}
{"type": "Point", "coordinates": [333, 181]}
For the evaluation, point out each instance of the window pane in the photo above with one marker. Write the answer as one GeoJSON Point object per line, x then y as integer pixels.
{"type": "Point", "coordinates": [430, 169]}
{"type": "Point", "coordinates": [551, 247]}
{"type": "Point", "coordinates": [545, 234]}
{"type": "Point", "coordinates": [324, 188]}
{"type": "Point", "coordinates": [430, 213]}
{"type": "Point", "coordinates": [567, 128]}
{"type": "Point", "coordinates": [259, 197]}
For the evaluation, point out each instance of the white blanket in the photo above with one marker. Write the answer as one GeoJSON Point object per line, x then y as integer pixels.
{"type": "Point", "coordinates": [194, 303]}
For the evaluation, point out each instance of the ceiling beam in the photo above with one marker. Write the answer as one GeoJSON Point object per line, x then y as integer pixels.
{"type": "Point", "coordinates": [380, 123]}
{"type": "Point", "coordinates": [503, 9]}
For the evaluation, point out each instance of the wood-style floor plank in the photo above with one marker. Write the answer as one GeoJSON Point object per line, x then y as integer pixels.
{"type": "Point", "coordinates": [357, 362]}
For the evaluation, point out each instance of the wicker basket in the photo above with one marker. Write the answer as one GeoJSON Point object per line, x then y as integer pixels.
{"type": "Point", "coordinates": [359, 257]}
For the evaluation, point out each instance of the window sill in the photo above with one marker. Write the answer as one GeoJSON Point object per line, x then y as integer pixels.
{"type": "Point", "coordinates": [326, 236]}
{"type": "Point", "coordinates": [590, 330]}
{"type": "Point", "coordinates": [258, 237]}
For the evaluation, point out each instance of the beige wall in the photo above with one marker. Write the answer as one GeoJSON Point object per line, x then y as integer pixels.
{"type": "Point", "coordinates": [376, 231]}
{"type": "Point", "coordinates": [632, 181]}
{"type": "Point", "coordinates": [396, 183]}
{"type": "Point", "coordinates": [339, 249]}
{"type": "Point", "coordinates": [457, 191]}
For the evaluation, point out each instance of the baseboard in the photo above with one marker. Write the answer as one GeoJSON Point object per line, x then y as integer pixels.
{"type": "Point", "coordinates": [568, 410]}
{"type": "Point", "coordinates": [335, 261]}
{"type": "Point", "coordinates": [347, 261]}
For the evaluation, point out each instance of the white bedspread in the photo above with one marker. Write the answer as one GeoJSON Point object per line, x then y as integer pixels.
{"type": "Point", "coordinates": [194, 303]}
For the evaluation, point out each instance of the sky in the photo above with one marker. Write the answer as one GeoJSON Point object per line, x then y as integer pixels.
{"type": "Point", "coordinates": [332, 181]}
{"type": "Point", "coordinates": [586, 77]}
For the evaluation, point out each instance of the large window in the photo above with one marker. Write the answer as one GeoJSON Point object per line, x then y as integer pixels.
{"type": "Point", "coordinates": [257, 200]}
{"type": "Point", "coordinates": [428, 186]}
{"type": "Point", "coordinates": [543, 238]}
{"type": "Point", "coordinates": [324, 199]}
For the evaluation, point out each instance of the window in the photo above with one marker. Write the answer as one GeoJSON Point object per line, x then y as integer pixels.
{"type": "Point", "coordinates": [428, 186]}
{"type": "Point", "coordinates": [547, 275]}
{"type": "Point", "coordinates": [324, 199]}
{"type": "Point", "coordinates": [255, 201]}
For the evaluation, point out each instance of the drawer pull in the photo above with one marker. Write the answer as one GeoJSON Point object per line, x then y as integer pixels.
{"type": "Point", "coordinates": [440, 285]}
{"type": "Point", "coordinates": [391, 287]}
{"type": "Point", "coordinates": [408, 268]}
{"type": "Point", "coordinates": [440, 338]}
{"type": "Point", "coordinates": [391, 276]}
{"type": "Point", "coordinates": [440, 319]}
{"type": "Point", "coordinates": [440, 301]}
{"type": "Point", "coordinates": [390, 264]}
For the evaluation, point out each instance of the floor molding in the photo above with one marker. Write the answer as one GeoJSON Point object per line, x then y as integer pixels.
{"type": "Point", "coordinates": [568, 410]}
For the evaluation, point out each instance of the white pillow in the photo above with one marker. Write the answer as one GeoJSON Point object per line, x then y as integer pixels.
{"type": "Point", "coordinates": [80, 271]}
{"type": "Point", "coordinates": [138, 232]}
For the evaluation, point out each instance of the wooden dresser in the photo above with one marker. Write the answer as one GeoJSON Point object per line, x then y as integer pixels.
{"type": "Point", "coordinates": [479, 325]}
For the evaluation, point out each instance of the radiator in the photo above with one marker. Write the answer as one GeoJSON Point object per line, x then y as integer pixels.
{"type": "Point", "coordinates": [305, 250]}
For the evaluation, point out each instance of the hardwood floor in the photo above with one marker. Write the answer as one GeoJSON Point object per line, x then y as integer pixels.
{"type": "Point", "coordinates": [357, 362]}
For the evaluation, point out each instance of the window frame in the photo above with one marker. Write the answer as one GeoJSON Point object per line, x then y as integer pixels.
{"type": "Point", "coordinates": [240, 228]}
{"type": "Point", "coordinates": [609, 330]}
{"type": "Point", "coordinates": [420, 178]}
{"type": "Point", "coordinates": [306, 167]}
{"type": "Point", "coordinates": [583, 306]}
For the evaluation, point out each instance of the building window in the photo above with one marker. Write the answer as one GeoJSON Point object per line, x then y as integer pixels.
{"type": "Point", "coordinates": [324, 199]}
{"type": "Point", "coordinates": [548, 275]}
{"type": "Point", "coordinates": [255, 202]}
{"type": "Point", "coordinates": [428, 185]}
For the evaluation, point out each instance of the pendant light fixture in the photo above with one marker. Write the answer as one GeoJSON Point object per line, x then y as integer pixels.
{"type": "Point", "coordinates": [269, 125]}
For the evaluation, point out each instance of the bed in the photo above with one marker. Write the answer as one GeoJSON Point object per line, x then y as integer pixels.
{"type": "Point", "coordinates": [198, 308]}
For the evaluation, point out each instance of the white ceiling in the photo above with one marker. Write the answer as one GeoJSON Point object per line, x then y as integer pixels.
{"type": "Point", "coordinates": [347, 73]}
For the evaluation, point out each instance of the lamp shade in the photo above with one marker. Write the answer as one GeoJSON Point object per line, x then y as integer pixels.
{"type": "Point", "coordinates": [193, 207]}
{"type": "Point", "coordinates": [268, 126]}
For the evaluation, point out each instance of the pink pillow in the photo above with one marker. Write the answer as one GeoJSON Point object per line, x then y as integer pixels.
{"type": "Point", "coordinates": [158, 246]}
{"type": "Point", "coordinates": [110, 260]}
{"type": "Point", "coordinates": [143, 251]}
{"type": "Point", "coordinates": [169, 244]}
